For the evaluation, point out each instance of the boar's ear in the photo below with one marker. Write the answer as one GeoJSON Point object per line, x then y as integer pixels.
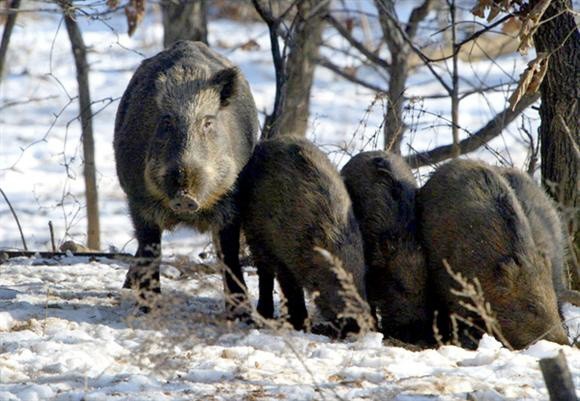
{"type": "Point", "coordinates": [382, 165]}
{"type": "Point", "coordinates": [507, 272]}
{"type": "Point", "coordinates": [226, 81]}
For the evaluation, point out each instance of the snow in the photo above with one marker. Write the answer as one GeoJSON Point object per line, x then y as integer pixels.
{"type": "Point", "coordinates": [68, 332]}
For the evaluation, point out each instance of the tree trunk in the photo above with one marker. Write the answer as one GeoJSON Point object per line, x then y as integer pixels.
{"type": "Point", "coordinates": [10, 21]}
{"type": "Point", "coordinates": [80, 57]}
{"type": "Point", "coordinates": [184, 20]}
{"type": "Point", "coordinates": [300, 65]}
{"type": "Point", "coordinates": [559, 129]}
{"type": "Point", "coordinates": [394, 127]}
{"type": "Point", "coordinates": [400, 51]}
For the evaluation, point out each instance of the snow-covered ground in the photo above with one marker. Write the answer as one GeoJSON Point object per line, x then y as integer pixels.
{"type": "Point", "coordinates": [67, 330]}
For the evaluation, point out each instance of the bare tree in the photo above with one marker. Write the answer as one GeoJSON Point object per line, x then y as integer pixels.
{"type": "Point", "coordinates": [184, 20]}
{"type": "Point", "coordinates": [558, 36]}
{"type": "Point", "coordinates": [294, 64]}
{"type": "Point", "coordinates": [12, 6]}
{"type": "Point", "coordinates": [79, 51]}
{"type": "Point", "coordinates": [400, 50]}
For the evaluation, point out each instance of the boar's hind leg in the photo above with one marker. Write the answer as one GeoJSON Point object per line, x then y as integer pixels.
{"type": "Point", "coordinates": [228, 248]}
{"type": "Point", "coordinates": [143, 275]}
{"type": "Point", "coordinates": [294, 297]}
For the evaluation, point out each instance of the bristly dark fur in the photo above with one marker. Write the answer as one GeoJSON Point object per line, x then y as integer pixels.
{"type": "Point", "coordinates": [293, 200]}
{"type": "Point", "coordinates": [471, 218]}
{"type": "Point", "coordinates": [382, 188]}
{"type": "Point", "coordinates": [185, 127]}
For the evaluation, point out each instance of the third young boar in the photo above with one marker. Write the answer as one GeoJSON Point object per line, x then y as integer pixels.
{"type": "Point", "coordinates": [382, 188]}
{"type": "Point", "coordinates": [547, 228]}
{"type": "Point", "coordinates": [471, 218]}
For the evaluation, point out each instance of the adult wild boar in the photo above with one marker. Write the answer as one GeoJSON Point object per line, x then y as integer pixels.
{"type": "Point", "coordinates": [185, 127]}
{"type": "Point", "coordinates": [382, 189]}
{"type": "Point", "coordinates": [293, 202]}
{"type": "Point", "coordinates": [471, 218]}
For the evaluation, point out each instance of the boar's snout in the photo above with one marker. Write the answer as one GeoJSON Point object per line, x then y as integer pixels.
{"type": "Point", "coordinates": [183, 203]}
{"type": "Point", "coordinates": [558, 335]}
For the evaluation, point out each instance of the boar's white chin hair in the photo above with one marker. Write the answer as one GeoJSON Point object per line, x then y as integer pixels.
{"type": "Point", "coordinates": [183, 88]}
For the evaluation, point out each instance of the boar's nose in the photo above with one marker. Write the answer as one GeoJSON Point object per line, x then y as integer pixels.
{"type": "Point", "coordinates": [183, 203]}
{"type": "Point", "coordinates": [558, 335]}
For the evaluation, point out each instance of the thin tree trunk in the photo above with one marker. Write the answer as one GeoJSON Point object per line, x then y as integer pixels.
{"type": "Point", "coordinates": [400, 51]}
{"type": "Point", "coordinates": [300, 66]}
{"type": "Point", "coordinates": [560, 117]}
{"type": "Point", "coordinates": [456, 151]}
{"type": "Point", "coordinates": [10, 22]}
{"type": "Point", "coordinates": [184, 20]}
{"type": "Point", "coordinates": [80, 57]}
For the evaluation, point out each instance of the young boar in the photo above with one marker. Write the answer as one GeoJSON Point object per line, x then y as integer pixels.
{"type": "Point", "coordinates": [382, 189]}
{"type": "Point", "coordinates": [547, 228]}
{"type": "Point", "coordinates": [471, 218]}
{"type": "Point", "coordinates": [185, 127]}
{"type": "Point", "coordinates": [294, 201]}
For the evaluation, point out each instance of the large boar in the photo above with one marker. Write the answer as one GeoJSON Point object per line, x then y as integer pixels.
{"type": "Point", "coordinates": [294, 201]}
{"type": "Point", "coordinates": [185, 127]}
{"type": "Point", "coordinates": [382, 189]}
{"type": "Point", "coordinates": [471, 218]}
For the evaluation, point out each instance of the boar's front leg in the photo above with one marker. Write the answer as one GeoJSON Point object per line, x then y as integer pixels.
{"type": "Point", "coordinates": [227, 244]}
{"type": "Point", "coordinates": [143, 275]}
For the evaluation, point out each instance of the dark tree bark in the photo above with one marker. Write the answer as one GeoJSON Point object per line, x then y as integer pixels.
{"type": "Point", "coordinates": [559, 130]}
{"type": "Point", "coordinates": [184, 20]}
{"type": "Point", "coordinates": [80, 56]}
{"type": "Point", "coordinates": [10, 21]}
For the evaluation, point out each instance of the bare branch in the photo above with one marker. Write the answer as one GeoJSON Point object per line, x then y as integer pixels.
{"type": "Point", "coordinates": [10, 21]}
{"type": "Point", "coordinates": [355, 43]}
{"type": "Point", "coordinates": [324, 62]}
{"type": "Point", "coordinates": [417, 15]}
{"type": "Point", "coordinates": [492, 129]}
{"type": "Point", "coordinates": [15, 218]}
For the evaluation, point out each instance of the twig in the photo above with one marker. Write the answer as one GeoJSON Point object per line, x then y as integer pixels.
{"type": "Point", "coordinates": [15, 218]}
{"type": "Point", "coordinates": [492, 129]}
{"type": "Point", "coordinates": [50, 255]}
{"type": "Point", "coordinates": [51, 230]}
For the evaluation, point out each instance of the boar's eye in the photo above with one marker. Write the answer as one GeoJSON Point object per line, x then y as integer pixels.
{"type": "Point", "coordinates": [166, 123]}
{"type": "Point", "coordinates": [207, 124]}
{"type": "Point", "coordinates": [532, 308]}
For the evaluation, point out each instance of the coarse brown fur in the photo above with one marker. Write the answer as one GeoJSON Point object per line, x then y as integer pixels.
{"type": "Point", "coordinates": [471, 218]}
{"type": "Point", "coordinates": [185, 127]}
{"type": "Point", "coordinates": [547, 229]}
{"type": "Point", "coordinates": [382, 188]}
{"type": "Point", "coordinates": [294, 201]}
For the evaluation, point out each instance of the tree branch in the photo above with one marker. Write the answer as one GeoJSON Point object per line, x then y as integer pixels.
{"type": "Point", "coordinates": [491, 130]}
{"type": "Point", "coordinates": [393, 22]}
{"type": "Point", "coordinates": [417, 15]}
{"type": "Point", "coordinates": [324, 62]}
{"type": "Point", "coordinates": [10, 21]}
{"type": "Point", "coordinates": [355, 43]}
